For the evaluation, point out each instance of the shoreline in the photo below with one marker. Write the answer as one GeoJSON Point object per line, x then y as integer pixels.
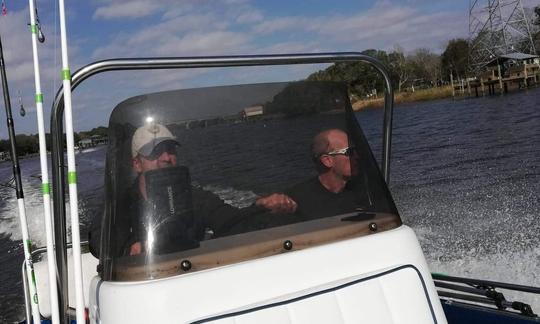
{"type": "Point", "coordinates": [406, 97]}
{"type": "Point", "coordinates": [421, 95]}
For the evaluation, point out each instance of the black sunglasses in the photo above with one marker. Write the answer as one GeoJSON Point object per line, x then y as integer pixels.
{"type": "Point", "coordinates": [167, 146]}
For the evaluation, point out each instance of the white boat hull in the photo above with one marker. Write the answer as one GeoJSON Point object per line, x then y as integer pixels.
{"type": "Point", "coordinates": [381, 278]}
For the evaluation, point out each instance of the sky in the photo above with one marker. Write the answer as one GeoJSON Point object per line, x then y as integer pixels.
{"type": "Point", "coordinates": [103, 29]}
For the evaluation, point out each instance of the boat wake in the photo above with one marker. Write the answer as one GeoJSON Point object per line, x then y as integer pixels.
{"type": "Point", "coordinates": [236, 198]}
{"type": "Point", "coordinates": [33, 199]}
{"type": "Point", "coordinates": [505, 265]}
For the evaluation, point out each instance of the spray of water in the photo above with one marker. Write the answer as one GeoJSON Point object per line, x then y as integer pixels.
{"type": "Point", "coordinates": [9, 221]}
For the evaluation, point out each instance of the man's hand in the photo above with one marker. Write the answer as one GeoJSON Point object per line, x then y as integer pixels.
{"type": "Point", "coordinates": [277, 203]}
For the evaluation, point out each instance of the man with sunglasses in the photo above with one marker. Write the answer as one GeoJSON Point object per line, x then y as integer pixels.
{"type": "Point", "coordinates": [331, 192]}
{"type": "Point", "coordinates": [153, 147]}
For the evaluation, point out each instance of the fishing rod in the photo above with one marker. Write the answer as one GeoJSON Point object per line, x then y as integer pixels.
{"type": "Point", "coordinates": [72, 173]}
{"type": "Point", "coordinates": [19, 191]}
{"type": "Point", "coordinates": [37, 35]}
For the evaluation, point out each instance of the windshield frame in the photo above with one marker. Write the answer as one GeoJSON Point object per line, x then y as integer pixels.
{"type": "Point", "coordinates": [57, 127]}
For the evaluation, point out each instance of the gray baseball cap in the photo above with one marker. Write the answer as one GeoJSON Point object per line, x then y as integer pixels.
{"type": "Point", "coordinates": [147, 137]}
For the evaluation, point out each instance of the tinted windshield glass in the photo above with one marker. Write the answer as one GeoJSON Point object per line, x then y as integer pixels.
{"type": "Point", "coordinates": [189, 169]}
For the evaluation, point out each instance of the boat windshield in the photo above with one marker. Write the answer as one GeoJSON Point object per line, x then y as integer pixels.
{"type": "Point", "coordinates": [200, 178]}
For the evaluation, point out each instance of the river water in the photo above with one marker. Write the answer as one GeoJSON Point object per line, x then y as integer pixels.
{"type": "Point", "coordinates": [465, 176]}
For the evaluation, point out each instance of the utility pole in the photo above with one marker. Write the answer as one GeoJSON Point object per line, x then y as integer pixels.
{"type": "Point", "coordinates": [497, 27]}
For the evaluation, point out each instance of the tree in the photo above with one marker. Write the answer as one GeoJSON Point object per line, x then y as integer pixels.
{"type": "Point", "coordinates": [360, 77]}
{"type": "Point", "coordinates": [454, 59]}
{"type": "Point", "coordinates": [426, 66]}
{"type": "Point", "coordinates": [536, 30]}
{"type": "Point", "coordinates": [400, 66]}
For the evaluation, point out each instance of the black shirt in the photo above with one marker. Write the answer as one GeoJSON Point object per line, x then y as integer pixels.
{"type": "Point", "coordinates": [315, 201]}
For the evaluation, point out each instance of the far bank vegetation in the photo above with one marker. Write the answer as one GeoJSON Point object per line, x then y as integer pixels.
{"type": "Point", "coordinates": [417, 75]}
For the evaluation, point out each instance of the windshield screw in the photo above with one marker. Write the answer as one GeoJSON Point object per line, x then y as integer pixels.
{"type": "Point", "coordinates": [185, 265]}
{"type": "Point", "coordinates": [287, 245]}
{"type": "Point", "coordinates": [373, 227]}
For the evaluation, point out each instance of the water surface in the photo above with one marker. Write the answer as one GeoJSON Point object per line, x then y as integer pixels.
{"type": "Point", "coordinates": [464, 174]}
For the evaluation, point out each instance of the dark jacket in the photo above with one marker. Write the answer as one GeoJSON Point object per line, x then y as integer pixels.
{"type": "Point", "coordinates": [210, 213]}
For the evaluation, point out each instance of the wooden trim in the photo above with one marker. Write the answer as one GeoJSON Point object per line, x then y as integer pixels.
{"type": "Point", "coordinates": [253, 245]}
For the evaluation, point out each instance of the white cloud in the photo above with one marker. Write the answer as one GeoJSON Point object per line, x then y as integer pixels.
{"type": "Point", "coordinates": [210, 43]}
{"type": "Point", "coordinates": [121, 9]}
{"type": "Point", "coordinates": [281, 24]}
{"type": "Point", "coordinates": [382, 26]}
{"type": "Point", "coordinates": [203, 34]}
{"type": "Point", "coordinates": [250, 16]}
{"type": "Point", "coordinates": [130, 9]}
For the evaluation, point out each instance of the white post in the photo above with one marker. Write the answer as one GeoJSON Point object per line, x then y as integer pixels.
{"type": "Point", "coordinates": [525, 73]}
{"type": "Point", "coordinates": [482, 85]}
{"type": "Point", "coordinates": [452, 85]}
{"type": "Point", "coordinates": [51, 258]}
{"type": "Point", "coordinates": [500, 77]}
{"type": "Point", "coordinates": [72, 173]}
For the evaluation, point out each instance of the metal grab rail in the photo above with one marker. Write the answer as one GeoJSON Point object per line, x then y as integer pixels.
{"type": "Point", "coordinates": [89, 70]}
{"type": "Point", "coordinates": [486, 283]}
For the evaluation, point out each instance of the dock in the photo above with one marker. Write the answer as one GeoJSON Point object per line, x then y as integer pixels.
{"type": "Point", "coordinates": [505, 73]}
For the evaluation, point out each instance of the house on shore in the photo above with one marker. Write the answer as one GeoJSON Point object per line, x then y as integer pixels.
{"type": "Point", "coordinates": [4, 156]}
{"type": "Point", "coordinates": [252, 111]}
{"type": "Point", "coordinates": [508, 72]}
{"type": "Point", "coordinates": [91, 141]}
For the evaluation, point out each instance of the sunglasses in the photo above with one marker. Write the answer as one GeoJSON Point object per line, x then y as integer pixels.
{"type": "Point", "coordinates": [169, 147]}
{"type": "Point", "coordinates": [347, 151]}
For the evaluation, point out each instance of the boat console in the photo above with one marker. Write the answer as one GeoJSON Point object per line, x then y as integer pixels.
{"type": "Point", "coordinates": [354, 260]}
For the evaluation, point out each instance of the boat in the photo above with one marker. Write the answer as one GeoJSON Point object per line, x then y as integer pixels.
{"type": "Point", "coordinates": [360, 265]}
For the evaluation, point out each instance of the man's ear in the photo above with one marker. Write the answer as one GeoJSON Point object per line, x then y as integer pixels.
{"type": "Point", "coordinates": [136, 163]}
{"type": "Point", "coordinates": [327, 161]}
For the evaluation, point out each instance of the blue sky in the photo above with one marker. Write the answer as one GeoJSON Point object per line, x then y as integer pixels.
{"type": "Point", "coordinates": [101, 29]}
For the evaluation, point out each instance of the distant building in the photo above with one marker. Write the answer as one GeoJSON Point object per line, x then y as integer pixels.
{"type": "Point", "coordinates": [509, 71]}
{"type": "Point", "coordinates": [4, 156]}
{"type": "Point", "coordinates": [85, 143]}
{"type": "Point", "coordinates": [92, 141]}
{"type": "Point", "coordinates": [98, 139]}
{"type": "Point", "coordinates": [514, 65]}
{"type": "Point", "coordinates": [252, 111]}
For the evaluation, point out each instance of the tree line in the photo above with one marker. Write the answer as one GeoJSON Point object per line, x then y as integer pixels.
{"type": "Point", "coordinates": [419, 68]}
{"type": "Point", "coordinates": [29, 144]}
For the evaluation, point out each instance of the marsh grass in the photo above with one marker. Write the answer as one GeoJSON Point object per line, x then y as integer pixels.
{"type": "Point", "coordinates": [402, 97]}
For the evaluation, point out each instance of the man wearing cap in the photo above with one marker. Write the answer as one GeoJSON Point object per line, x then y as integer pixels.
{"type": "Point", "coordinates": [153, 147]}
